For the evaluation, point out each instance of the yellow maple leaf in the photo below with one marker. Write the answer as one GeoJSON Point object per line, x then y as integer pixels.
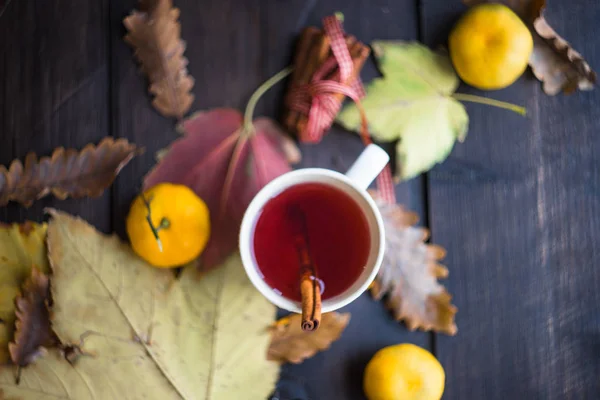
{"type": "Point", "coordinates": [140, 332]}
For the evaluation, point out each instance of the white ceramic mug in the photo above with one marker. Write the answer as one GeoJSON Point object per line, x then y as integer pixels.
{"type": "Point", "coordinates": [355, 183]}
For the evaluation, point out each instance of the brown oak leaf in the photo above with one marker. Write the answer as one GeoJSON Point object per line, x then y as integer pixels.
{"type": "Point", "coordinates": [289, 343]}
{"type": "Point", "coordinates": [66, 173]}
{"type": "Point", "coordinates": [409, 273]}
{"type": "Point", "coordinates": [155, 34]}
{"type": "Point", "coordinates": [33, 333]}
{"type": "Point", "coordinates": [553, 61]}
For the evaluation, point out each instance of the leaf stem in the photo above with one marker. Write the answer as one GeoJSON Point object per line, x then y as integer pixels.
{"type": "Point", "coordinates": [258, 94]}
{"type": "Point", "coordinates": [490, 102]}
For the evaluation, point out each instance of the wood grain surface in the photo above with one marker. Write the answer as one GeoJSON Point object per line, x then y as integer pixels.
{"type": "Point", "coordinates": [54, 86]}
{"type": "Point", "coordinates": [517, 205]}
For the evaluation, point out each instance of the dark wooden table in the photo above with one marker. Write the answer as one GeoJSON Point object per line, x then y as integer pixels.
{"type": "Point", "coordinates": [517, 205]}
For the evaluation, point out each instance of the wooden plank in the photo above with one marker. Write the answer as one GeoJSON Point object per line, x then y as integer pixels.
{"type": "Point", "coordinates": [517, 207]}
{"type": "Point", "coordinates": [232, 47]}
{"type": "Point", "coordinates": [337, 373]}
{"type": "Point", "coordinates": [53, 88]}
{"type": "Point", "coordinates": [569, 215]}
{"type": "Point", "coordinates": [483, 209]}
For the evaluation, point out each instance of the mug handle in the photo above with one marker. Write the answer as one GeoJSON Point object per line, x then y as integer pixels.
{"type": "Point", "coordinates": [368, 165]}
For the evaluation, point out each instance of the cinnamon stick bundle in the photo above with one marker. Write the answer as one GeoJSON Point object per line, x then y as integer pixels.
{"type": "Point", "coordinates": [313, 50]}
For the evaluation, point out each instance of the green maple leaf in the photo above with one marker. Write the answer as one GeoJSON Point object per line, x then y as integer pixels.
{"type": "Point", "coordinates": [413, 104]}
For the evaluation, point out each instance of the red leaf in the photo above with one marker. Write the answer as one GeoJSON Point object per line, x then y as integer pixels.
{"type": "Point", "coordinates": [226, 166]}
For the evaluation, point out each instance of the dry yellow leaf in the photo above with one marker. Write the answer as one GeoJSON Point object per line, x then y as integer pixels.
{"type": "Point", "coordinates": [289, 343]}
{"type": "Point", "coordinates": [21, 247]}
{"type": "Point", "coordinates": [142, 333]}
{"type": "Point", "coordinates": [2, 397]}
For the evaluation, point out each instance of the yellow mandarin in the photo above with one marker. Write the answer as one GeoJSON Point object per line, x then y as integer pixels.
{"type": "Point", "coordinates": [490, 46]}
{"type": "Point", "coordinates": [404, 372]}
{"type": "Point", "coordinates": [180, 225]}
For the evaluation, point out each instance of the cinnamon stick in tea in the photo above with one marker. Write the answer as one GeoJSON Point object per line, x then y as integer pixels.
{"type": "Point", "coordinates": [311, 301]}
{"type": "Point", "coordinates": [310, 289]}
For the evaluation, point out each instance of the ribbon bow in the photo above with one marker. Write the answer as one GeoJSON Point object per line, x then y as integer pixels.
{"type": "Point", "coordinates": [315, 98]}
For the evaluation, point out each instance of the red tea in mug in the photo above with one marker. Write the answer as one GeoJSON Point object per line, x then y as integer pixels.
{"type": "Point", "coordinates": [337, 234]}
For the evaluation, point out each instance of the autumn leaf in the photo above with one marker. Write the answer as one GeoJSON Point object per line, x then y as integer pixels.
{"type": "Point", "coordinates": [289, 343]}
{"type": "Point", "coordinates": [155, 34]}
{"type": "Point", "coordinates": [409, 273]}
{"type": "Point", "coordinates": [413, 104]}
{"type": "Point", "coordinates": [21, 247]}
{"type": "Point", "coordinates": [138, 330]}
{"type": "Point", "coordinates": [553, 61]}
{"type": "Point", "coordinates": [67, 173]}
{"type": "Point", "coordinates": [556, 63]}
{"type": "Point", "coordinates": [33, 333]}
{"type": "Point", "coordinates": [226, 159]}
{"type": "Point", "coordinates": [3, 397]}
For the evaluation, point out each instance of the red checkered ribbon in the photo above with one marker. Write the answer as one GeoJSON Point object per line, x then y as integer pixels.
{"type": "Point", "coordinates": [315, 98]}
